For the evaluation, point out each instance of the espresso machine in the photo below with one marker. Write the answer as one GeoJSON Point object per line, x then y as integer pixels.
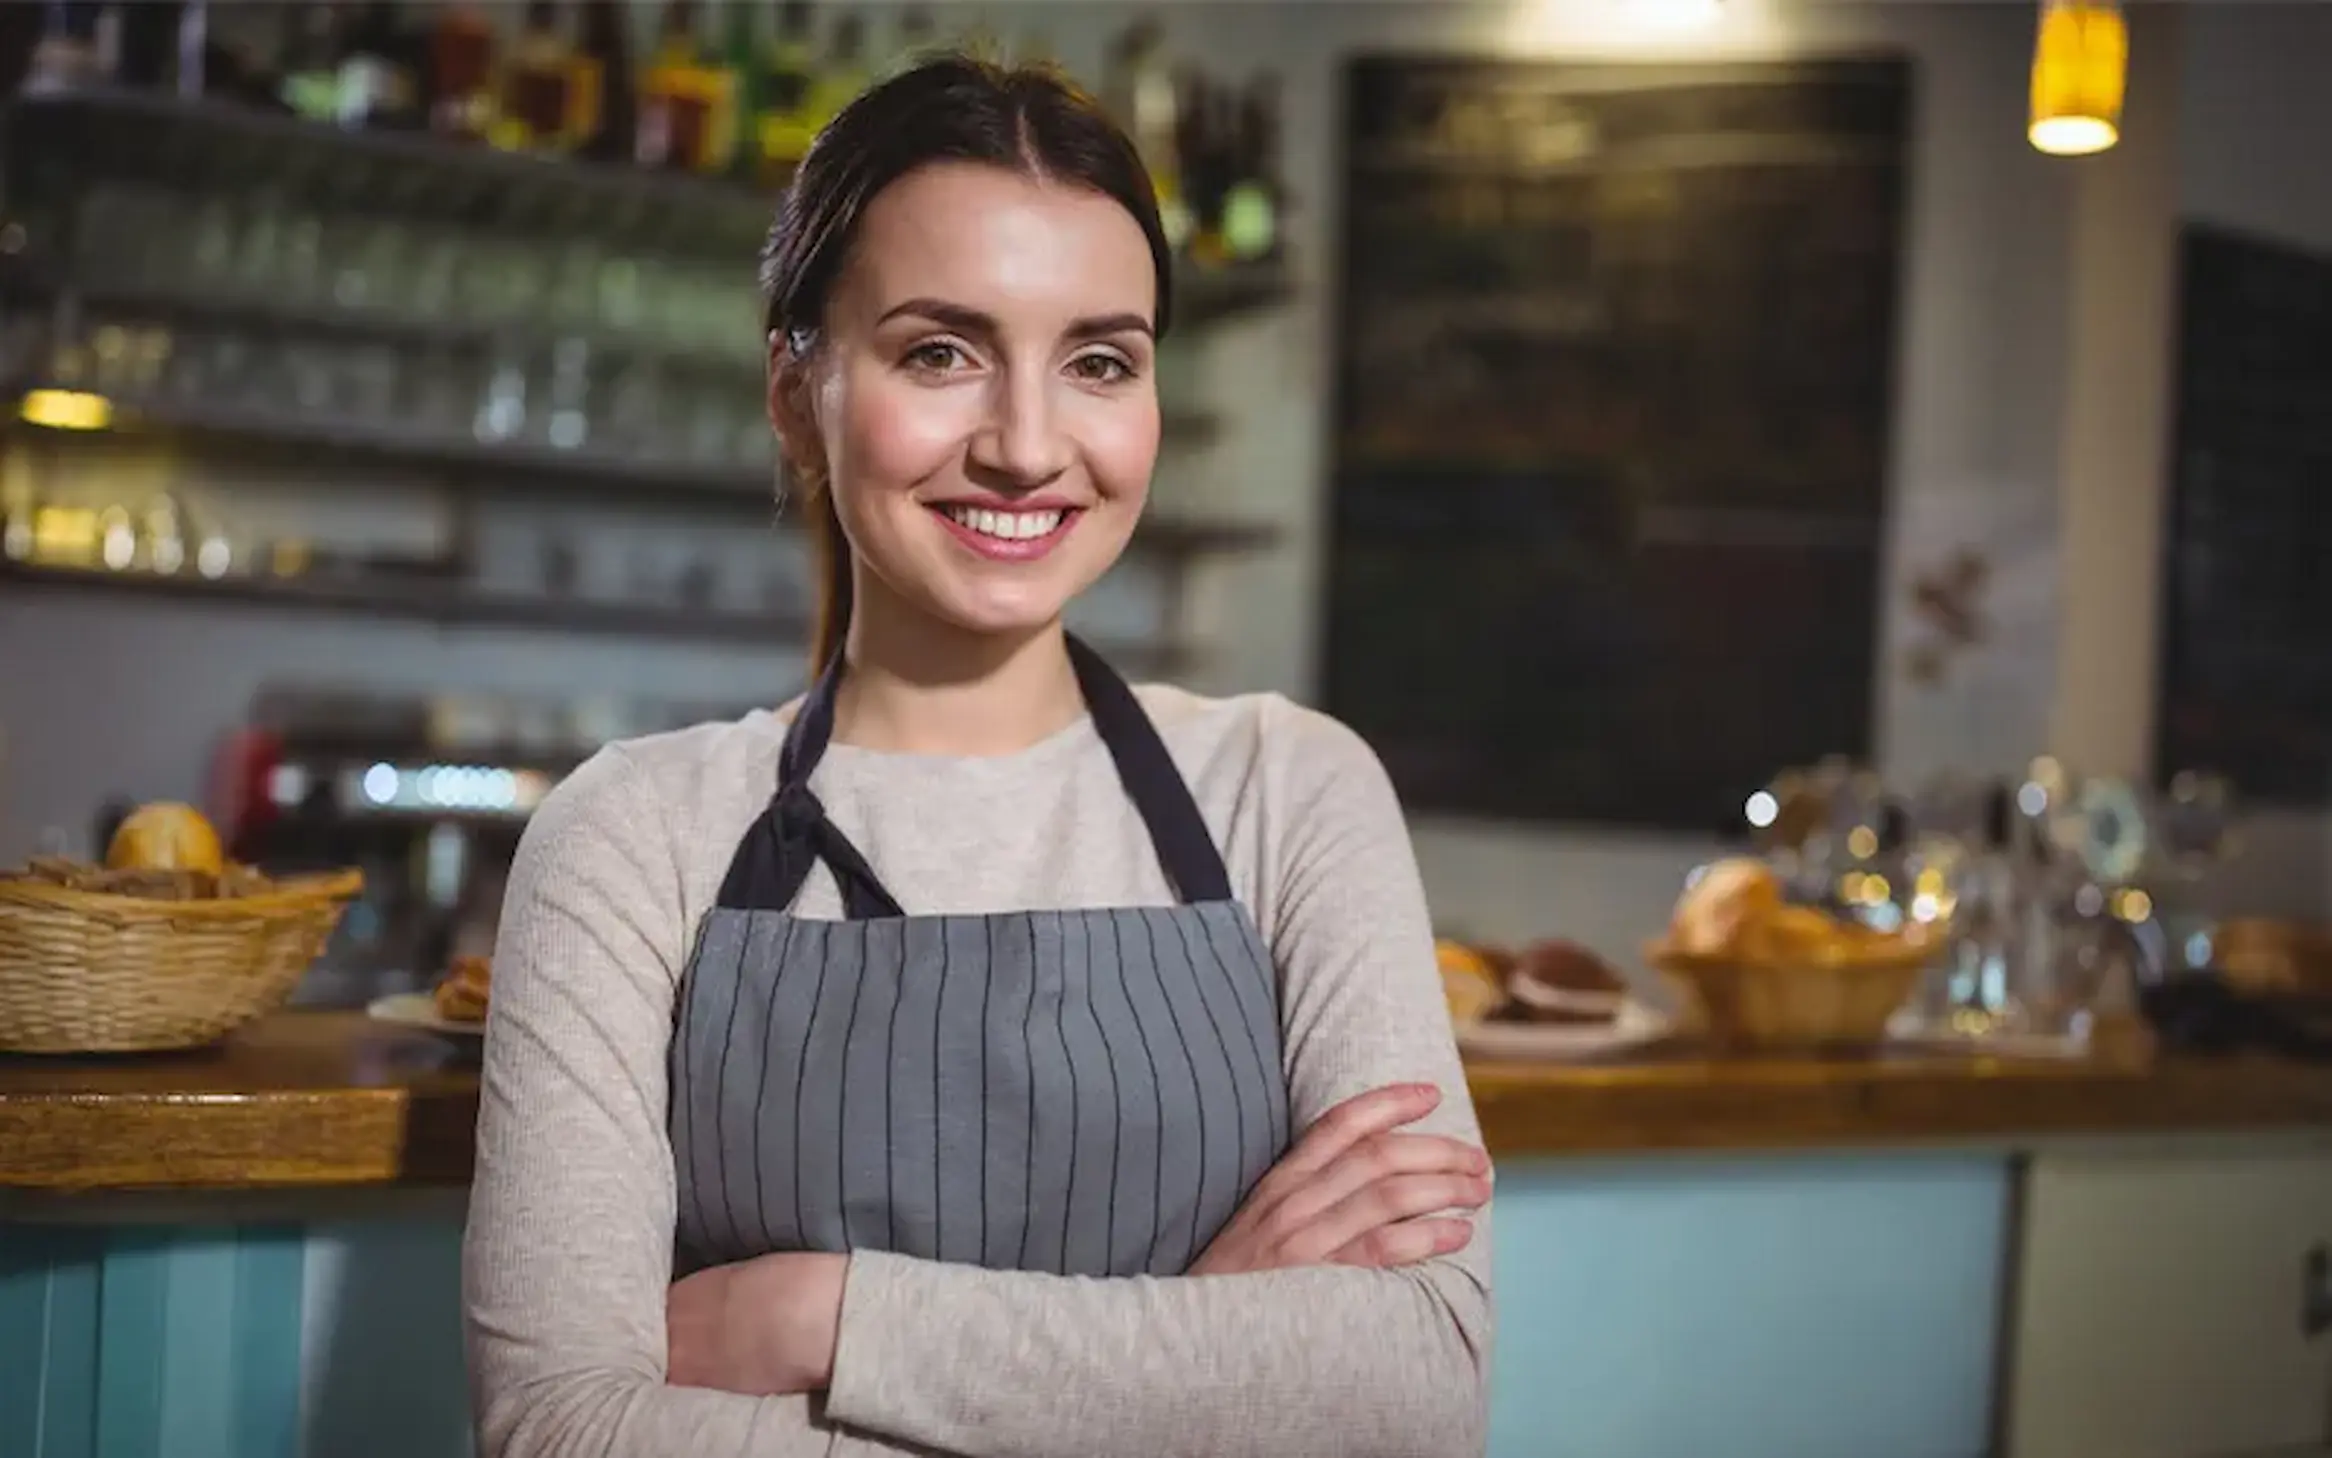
{"type": "Point", "coordinates": [426, 795]}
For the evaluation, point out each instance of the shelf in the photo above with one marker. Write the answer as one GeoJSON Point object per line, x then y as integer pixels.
{"type": "Point", "coordinates": [448, 605]}
{"type": "Point", "coordinates": [442, 604]}
{"type": "Point", "coordinates": [215, 146]}
{"type": "Point", "coordinates": [540, 465]}
{"type": "Point", "coordinates": [61, 142]}
{"type": "Point", "coordinates": [274, 318]}
{"type": "Point", "coordinates": [543, 471]}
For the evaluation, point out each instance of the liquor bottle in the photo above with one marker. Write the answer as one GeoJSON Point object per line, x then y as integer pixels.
{"type": "Point", "coordinates": [66, 57]}
{"type": "Point", "coordinates": [190, 68]}
{"type": "Point", "coordinates": [687, 105]}
{"type": "Point", "coordinates": [607, 47]}
{"type": "Point", "coordinates": [741, 60]}
{"type": "Point", "coordinates": [1035, 50]}
{"type": "Point", "coordinates": [782, 123]}
{"type": "Point", "coordinates": [461, 72]}
{"type": "Point", "coordinates": [233, 53]}
{"type": "Point", "coordinates": [549, 89]}
{"type": "Point", "coordinates": [149, 39]}
{"type": "Point", "coordinates": [918, 37]}
{"type": "Point", "coordinates": [311, 72]}
{"type": "Point", "coordinates": [1203, 126]}
{"type": "Point", "coordinates": [1252, 205]}
{"type": "Point", "coordinates": [380, 86]}
{"type": "Point", "coordinates": [843, 73]}
{"type": "Point", "coordinates": [1138, 88]}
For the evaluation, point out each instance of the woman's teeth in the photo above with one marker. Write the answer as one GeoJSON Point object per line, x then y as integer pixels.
{"type": "Point", "coordinates": [1010, 526]}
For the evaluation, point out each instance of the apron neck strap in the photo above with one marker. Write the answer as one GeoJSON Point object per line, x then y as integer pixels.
{"type": "Point", "coordinates": [794, 833]}
{"type": "Point", "coordinates": [1177, 831]}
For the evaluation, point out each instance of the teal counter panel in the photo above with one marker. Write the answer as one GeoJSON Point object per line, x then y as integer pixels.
{"type": "Point", "coordinates": [1770, 1308]}
{"type": "Point", "coordinates": [1831, 1307]}
{"type": "Point", "coordinates": [136, 1342]}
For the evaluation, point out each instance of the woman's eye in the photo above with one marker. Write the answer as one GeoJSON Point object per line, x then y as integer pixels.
{"type": "Point", "coordinates": [936, 358]}
{"type": "Point", "coordinates": [1101, 369]}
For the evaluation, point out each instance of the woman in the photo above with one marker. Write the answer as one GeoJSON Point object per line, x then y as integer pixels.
{"type": "Point", "coordinates": [956, 1078]}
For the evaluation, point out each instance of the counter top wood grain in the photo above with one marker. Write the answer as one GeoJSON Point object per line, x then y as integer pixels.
{"type": "Point", "coordinates": [300, 1098]}
{"type": "Point", "coordinates": [334, 1100]}
{"type": "Point", "coordinates": [1673, 1104]}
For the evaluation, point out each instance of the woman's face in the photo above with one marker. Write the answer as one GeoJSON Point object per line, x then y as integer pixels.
{"type": "Point", "coordinates": [983, 394]}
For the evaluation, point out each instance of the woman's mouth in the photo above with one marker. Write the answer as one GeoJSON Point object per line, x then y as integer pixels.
{"type": "Point", "coordinates": [1008, 534]}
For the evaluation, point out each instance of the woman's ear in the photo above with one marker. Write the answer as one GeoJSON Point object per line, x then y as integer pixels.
{"type": "Point", "coordinates": [790, 412]}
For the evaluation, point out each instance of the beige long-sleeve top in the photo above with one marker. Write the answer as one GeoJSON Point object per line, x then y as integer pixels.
{"type": "Point", "coordinates": [569, 1250]}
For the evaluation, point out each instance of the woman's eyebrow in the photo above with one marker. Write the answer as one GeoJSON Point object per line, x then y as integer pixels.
{"type": "Point", "coordinates": [967, 320]}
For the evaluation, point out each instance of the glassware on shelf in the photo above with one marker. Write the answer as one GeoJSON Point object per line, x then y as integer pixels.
{"type": "Point", "coordinates": [2196, 824]}
{"type": "Point", "coordinates": [501, 412]}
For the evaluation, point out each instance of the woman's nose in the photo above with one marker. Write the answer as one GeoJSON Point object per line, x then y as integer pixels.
{"type": "Point", "coordinates": [1021, 438]}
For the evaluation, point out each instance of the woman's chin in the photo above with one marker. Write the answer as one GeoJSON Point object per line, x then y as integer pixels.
{"type": "Point", "coordinates": [992, 619]}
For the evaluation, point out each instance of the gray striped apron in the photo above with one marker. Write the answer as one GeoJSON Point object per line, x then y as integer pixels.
{"type": "Point", "coordinates": [1081, 1092]}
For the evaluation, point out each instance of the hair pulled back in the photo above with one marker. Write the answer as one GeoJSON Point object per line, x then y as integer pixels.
{"type": "Point", "coordinates": [951, 108]}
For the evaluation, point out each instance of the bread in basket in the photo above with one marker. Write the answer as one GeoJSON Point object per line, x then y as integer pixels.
{"type": "Point", "coordinates": [1770, 975]}
{"type": "Point", "coordinates": [139, 958]}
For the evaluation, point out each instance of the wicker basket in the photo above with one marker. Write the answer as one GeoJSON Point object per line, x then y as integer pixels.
{"type": "Point", "coordinates": [1838, 1004]}
{"type": "Point", "coordinates": [87, 972]}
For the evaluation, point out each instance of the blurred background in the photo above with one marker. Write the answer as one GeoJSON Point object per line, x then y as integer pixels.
{"type": "Point", "coordinates": [1877, 434]}
{"type": "Point", "coordinates": [1604, 406]}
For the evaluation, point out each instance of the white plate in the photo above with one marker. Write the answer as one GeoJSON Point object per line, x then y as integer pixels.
{"type": "Point", "coordinates": [1590, 1005]}
{"type": "Point", "coordinates": [419, 1010]}
{"type": "Point", "coordinates": [1636, 1026]}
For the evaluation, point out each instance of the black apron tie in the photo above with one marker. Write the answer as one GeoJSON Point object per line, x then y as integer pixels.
{"type": "Point", "coordinates": [793, 833]}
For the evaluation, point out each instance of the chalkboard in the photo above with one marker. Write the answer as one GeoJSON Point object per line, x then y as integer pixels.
{"type": "Point", "coordinates": [2247, 581]}
{"type": "Point", "coordinates": [1614, 382]}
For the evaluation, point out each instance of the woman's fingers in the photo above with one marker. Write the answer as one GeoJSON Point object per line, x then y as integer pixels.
{"type": "Point", "coordinates": [1378, 1204]}
{"type": "Point", "coordinates": [1348, 1176]}
{"type": "Point", "coordinates": [1360, 1117]}
{"type": "Point", "coordinates": [1406, 1243]}
{"type": "Point", "coordinates": [1384, 1157]}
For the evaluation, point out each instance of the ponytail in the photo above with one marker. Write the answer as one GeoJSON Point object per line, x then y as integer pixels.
{"type": "Point", "coordinates": [830, 565]}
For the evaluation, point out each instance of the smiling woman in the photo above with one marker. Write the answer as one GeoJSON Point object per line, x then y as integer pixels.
{"type": "Point", "coordinates": [932, 352]}
{"type": "Point", "coordinates": [978, 1055]}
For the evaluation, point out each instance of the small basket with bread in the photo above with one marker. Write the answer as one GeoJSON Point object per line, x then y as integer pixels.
{"type": "Point", "coordinates": [166, 945]}
{"type": "Point", "coordinates": [1770, 974]}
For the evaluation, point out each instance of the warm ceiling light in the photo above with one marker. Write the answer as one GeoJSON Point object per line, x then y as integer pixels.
{"type": "Point", "coordinates": [2079, 62]}
{"type": "Point", "coordinates": [1672, 15]}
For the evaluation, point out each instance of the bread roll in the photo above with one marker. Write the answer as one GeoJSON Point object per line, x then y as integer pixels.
{"type": "Point", "coordinates": [166, 836]}
{"type": "Point", "coordinates": [1717, 910]}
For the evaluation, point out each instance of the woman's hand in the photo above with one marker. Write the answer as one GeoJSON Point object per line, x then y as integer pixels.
{"type": "Point", "coordinates": [763, 1327]}
{"type": "Point", "coordinates": [1354, 1192]}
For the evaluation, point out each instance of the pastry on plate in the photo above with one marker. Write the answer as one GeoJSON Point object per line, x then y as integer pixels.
{"type": "Point", "coordinates": [1469, 980]}
{"type": "Point", "coordinates": [461, 996]}
{"type": "Point", "coordinates": [1562, 981]}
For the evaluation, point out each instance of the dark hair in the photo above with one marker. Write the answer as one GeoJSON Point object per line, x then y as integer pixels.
{"type": "Point", "coordinates": [951, 108]}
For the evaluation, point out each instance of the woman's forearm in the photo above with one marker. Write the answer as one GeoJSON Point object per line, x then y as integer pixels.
{"type": "Point", "coordinates": [1337, 1362]}
{"type": "Point", "coordinates": [611, 1414]}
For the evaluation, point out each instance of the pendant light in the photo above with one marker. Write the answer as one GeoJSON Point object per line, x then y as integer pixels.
{"type": "Point", "coordinates": [2080, 59]}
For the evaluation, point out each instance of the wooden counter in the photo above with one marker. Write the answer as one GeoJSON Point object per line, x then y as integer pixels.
{"type": "Point", "coordinates": [1696, 1104]}
{"type": "Point", "coordinates": [298, 1099]}
{"type": "Point", "coordinates": [331, 1099]}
